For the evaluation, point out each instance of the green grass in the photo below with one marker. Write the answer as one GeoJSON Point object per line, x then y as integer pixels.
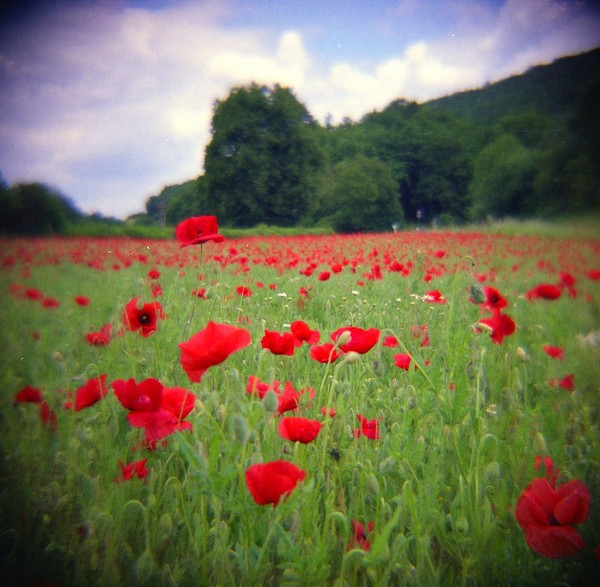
{"type": "Point", "coordinates": [459, 434]}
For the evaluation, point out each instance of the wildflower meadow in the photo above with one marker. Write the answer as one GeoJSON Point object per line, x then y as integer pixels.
{"type": "Point", "coordinates": [411, 408]}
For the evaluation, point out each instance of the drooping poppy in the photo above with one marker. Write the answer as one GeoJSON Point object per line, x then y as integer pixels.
{"type": "Point", "coordinates": [278, 344]}
{"type": "Point", "coordinates": [100, 338]}
{"type": "Point", "coordinates": [402, 360]}
{"type": "Point", "coordinates": [301, 430]}
{"type": "Point", "coordinates": [211, 346]}
{"type": "Point", "coordinates": [390, 341]}
{"type": "Point", "coordinates": [142, 319]}
{"type": "Point", "coordinates": [88, 394]}
{"type": "Point", "coordinates": [548, 516]}
{"type": "Point", "coordinates": [361, 340]}
{"type": "Point", "coordinates": [272, 481]}
{"type": "Point", "coordinates": [553, 351]}
{"type": "Point", "coordinates": [198, 230]}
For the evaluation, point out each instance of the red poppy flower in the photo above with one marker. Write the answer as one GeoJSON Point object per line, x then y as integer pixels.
{"type": "Point", "coordinates": [89, 394]}
{"type": "Point", "coordinates": [211, 346]}
{"type": "Point", "coordinates": [258, 387]}
{"type": "Point", "coordinates": [324, 353]}
{"type": "Point", "coordinates": [33, 294]}
{"type": "Point", "coordinates": [402, 360]}
{"type": "Point", "coordinates": [145, 396]}
{"type": "Point", "coordinates": [198, 230]}
{"type": "Point", "coordinates": [101, 338]}
{"type": "Point", "coordinates": [359, 536]}
{"type": "Point", "coordinates": [299, 429]}
{"type": "Point", "coordinates": [287, 398]}
{"type": "Point", "coordinates": [566, 382]}
{"type": "Point", "coordinates": [136, 468]}
{"type": "Point", "coordinates": [142, 319]}
{"type": "Point", "coordinates": [243, 291]}
{"type": "Point", "coordinates": [199, 292]}
{"type": "Point", "coordinates": [29, 394]}
{"type": "Point", "coordinates": [493, 299]}
{"type": "Point", "coordinates": [555, 352]}
{"type": "Point", "coordinates": [547, 515]}
{"type": "Point", "coordinates": [154, 274]}
{"type": "Point", "coordinates": [48, 416]}
{"type": "Point", "coordinates": [269, 482]}
{"type": "Point", "coordinates": [82, 300]}
{"type": "Point", "coordinates": [324, 276]}
{"type": "Point", "coordinates": [390, 341]}
{"type": "Point", "coordinates": [368, 428]}
{"type": "Point", "coordinates": [157, 425]}
{"type": "Point", "coordinates": [501, 325]}
{"type": "Point", "coordinates": [50, 303]}
{"type": "Point", "coordinates": [361, 340]}
{"type": "Point", "coordinates": [278, 344]}
{"type": "Point", "coordinates": [544, 291]}
{"type": "Point", "coordinates": [302, 333]}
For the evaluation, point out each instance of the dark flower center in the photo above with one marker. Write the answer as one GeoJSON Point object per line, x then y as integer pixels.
{"type": "Point", "coordinates": [144, 318]}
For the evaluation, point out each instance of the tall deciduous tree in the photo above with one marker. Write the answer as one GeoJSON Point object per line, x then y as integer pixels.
{"type": "Point", "coordinates": [261, 162]}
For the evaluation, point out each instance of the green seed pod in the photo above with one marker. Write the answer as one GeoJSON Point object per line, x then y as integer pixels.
{"type": "Point", "coordinates": [241, 431]}
{"type": "Point", "coordinates": [387, 465]}
{"type": "Point", "coordinates": [540, 443]}
{"type": "Point", "coordinates": [373, 484]}
{"type": "Point", "coordinates": [492, 472]}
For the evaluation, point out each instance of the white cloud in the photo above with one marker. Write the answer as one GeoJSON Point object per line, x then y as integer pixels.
{"type": "Point", "coordinates": [109, 103]}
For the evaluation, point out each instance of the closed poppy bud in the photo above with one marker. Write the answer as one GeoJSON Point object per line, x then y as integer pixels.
{"type": "Point", "coordinates": [522, 354]}
{"type": "Point", "coordinates": [351, 357]}
{"type": "Point", "coordinates": [240, 429]}
{"type": "Point", "coordinates": [344, 338]}
{"type": "Point", "coordinates": [270, 401]}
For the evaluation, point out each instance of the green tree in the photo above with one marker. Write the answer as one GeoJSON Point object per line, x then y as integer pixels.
{"type": "Point", "coordinates": [503, 177]}
{"type": "Point", "coordinates": [263, 157]}
{"type": "Point", "coordinates": [35, 209]}
{"type": "Point", "coordinates": [361, 195]}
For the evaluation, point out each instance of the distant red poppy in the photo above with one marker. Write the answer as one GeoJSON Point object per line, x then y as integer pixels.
{"type": "Point", "coordinates": [567, 281]}
{"type": "Point", "coordinates": [270, 482]}
{"type": "Point", "coordinates": [101, 338]}
{"type": "Point", "coordinates": [566, 382]}
{"type": "Point", "coordinates": [361, 340]}
{"type": "Point", "coordinates": [48, 416]}
{"type": "Point", "coordinates": [359, 536]}
{"type": "Point", "coordinates": [198, 230]}
{"type": "Point", "coordinates": [29, 394]}
{"type": "Point", "coordinates": [324, 276]}
{"type": "Point", "coordinates": [243, 291]}
{"type": "Point", "coordinates": [555, 352]}
{"type": "Point", "coordinates": [142, 319]}
{"type": "Point", "coordinates": [494, 300]}
{"type": "Point", "coordinates": [434, 297]}
{"type": "Point", "coordinates": [278, 344]}
{"type": "Point", "coordinates": [368, 428]}
{"type": "Point", "coordinates": [154, 274]}
{"type": "Point", "coordinates": [324, 353]}
{"type": "Point", "coordinates": [402, 361]}
{"type": "Point", "coordinates": [82, 300]}
{"type": "Point", "coordinates": [501, 325]}
{"type": "Point", "coordinates": [544, 291]}
{"type": "Point", "coordinates": [301, 430]}
{"type": "Point", "coordinates": [547, 515]}
{"type": "Point", "coordinates": [89, 394]}
{"type": "Point", "coordinates": [211, 346]}
{"type": "Point", "coordinates": [390, 341]}
{"type": "Point", "coordinates": [136, 468]}
{"type": "Point", "coordinates": [303, 333]}
{"type": "Point", "coordinates": [50, 303]}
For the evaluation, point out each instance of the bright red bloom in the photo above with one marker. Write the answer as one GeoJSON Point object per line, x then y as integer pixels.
{"type": "Point", "coordinates": [136, 468]}
{"type": "Point", "coordinates": [301, 430]}
{"type": "Point", "coordinates": [198, 230]}
{"type": "Point", "coordinates": [324, 276]}
{"type": "Point", "coordinates": [593, 274]}
{"type": "Point", "coordinates": [211, 346]}
{"type": "Point", "coordinates": [145, 396]}
{"type": "Point", "coordinates": [302, 333]}
{"type": "Point", "coordinates": [154, 274]}
{"type": "Point", "coordinates": [199, 292]}
{"type": "Point", "coordinates": [501, 325]}
{"type": "Point", "coordinates": [50, 303]}
{"type": "Point", "coordinates": [324, 353]}
{"type": "Point", "coordinates": [101, 338]}
{"type": "Point", "coordinates": [402, 360]}
{"type": "Point", "coordinates": [361, 340]}
{"type": "Point", "coordinates": [555, 352]}
{"type": "Point", "coordinates": [368, 428]}
{"type": "Point", "coordinates": [494, 300]}
{"type": "Point", "coordinates": [269, 482]}
{"type": "Point", "coordinates": [260, 388]}
{"type": "Point", "coordinates": [82, 300]}
{"type": "Point", "coordinates": [33, 294]}
{"type": "Point", "coordinates": [278, 344]}
{"type": "Point", "coordinates": [142, 319]}
{"type": "Point", "coordinates": [288, 398]}
{"type": "Point", "coordinates": [566, 382]}
{"type": "Point", "coordinates": [547, 515]}
{"type": "Point", "coordinates": [89, 394]}
{"type": "Point", "coordinates": [390, 341]}
{"type": "Point", "coordinates": [29, 394]}
{"type": "Point", "coordinates": [544, 291]}
{"type": "Point", "coordinates": [243, 291]}
{"type": "Point", "coordinates": [359, 536]}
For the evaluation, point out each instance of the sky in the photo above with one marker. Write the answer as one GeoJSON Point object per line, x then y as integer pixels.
{"type": "Point", "coordinates": [109, 101]}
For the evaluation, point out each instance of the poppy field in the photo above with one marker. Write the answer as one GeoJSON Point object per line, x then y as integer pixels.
{"type": "Point", "coordinates": [412, 408]}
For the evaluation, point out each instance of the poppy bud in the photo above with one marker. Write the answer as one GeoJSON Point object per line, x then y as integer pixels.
{"type": "Point", "coordinates": [387, 465]}
{"type": "Point", "coordinates": [269, 401]}
{"type": "Point", "coordinates": [351, 357]}
{"type": "Point", "coordinates": [344, 338]}
{"type": "Point", "coordinates": [492, 471]}
{"type": "Point", "coordinates": [522, 354]}
{"type": "Point", "coordinates": [540, 443]}
{"type": "Point", "coordinates": [373, 484]}
{"type": "Point", "coordinates": [240, 429]}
